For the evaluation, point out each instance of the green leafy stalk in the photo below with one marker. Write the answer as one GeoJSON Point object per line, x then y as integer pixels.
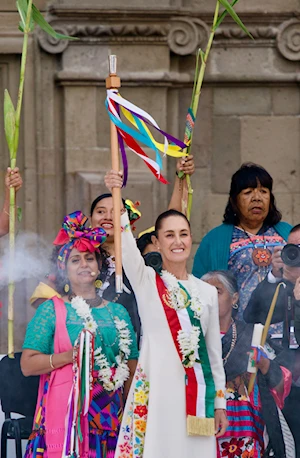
{"type": "Point", "coordinates": [229, 9]}
{"type": "Point", "coordinates": [13, 148]}
{"type": "Point", "coordinates": [199, 77]}
{"type": "Point", "coordinates": [29, 16]}
{"type": "Point", "coordinates": [222, 16]}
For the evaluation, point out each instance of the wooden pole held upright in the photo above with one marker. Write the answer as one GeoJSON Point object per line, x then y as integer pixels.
{"type": "Point", "coordinates": [265, 331]}
{"type": "Point", "coordinates": [114, 82]}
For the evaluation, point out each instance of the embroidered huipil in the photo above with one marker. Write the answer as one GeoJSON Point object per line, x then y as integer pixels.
{"type": "Point", "coordinates": [41, 329]}
{"type": "Point", "coordinates": [154, 422]}
{"type": "Point", "coordinates": [54, 328]}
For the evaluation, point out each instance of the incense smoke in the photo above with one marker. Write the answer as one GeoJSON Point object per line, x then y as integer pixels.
{"type": "Point", "coordinates": [32, 255]}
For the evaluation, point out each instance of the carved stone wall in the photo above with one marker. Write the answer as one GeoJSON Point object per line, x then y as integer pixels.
{"type": "Point", "coordinates": [249, 108]}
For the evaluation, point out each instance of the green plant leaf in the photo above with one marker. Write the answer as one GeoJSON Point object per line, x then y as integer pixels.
{"type": "Point", "coordinates": [9, 123]}
{"type": "Point", "coordinates": [197, 69]}
{"type": "Point", "coordinates": [234, 16]}
{"type": "Point", "coordinates": [22, 13]}
{"type": "Point", "coordinates": [22, 6]}
{"type": "Point", "coordinates": [222, 16]}
{"type": "Point", "coordinates": [202, 55]}
{"type": "Point", "coordinates": [41, 21]}
{"type": "Point", "coordinates": [19, 214]}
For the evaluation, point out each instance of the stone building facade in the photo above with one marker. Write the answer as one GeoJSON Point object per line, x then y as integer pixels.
{"type": "Point", "coordinates": [249, 108]}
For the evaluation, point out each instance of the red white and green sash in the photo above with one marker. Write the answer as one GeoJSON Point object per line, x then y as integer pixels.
{"type": "Point", "coordinates": [200, 387]}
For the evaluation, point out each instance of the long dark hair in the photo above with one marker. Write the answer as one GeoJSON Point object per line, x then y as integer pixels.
{"type": "Point", "coordinates": [250, 175]}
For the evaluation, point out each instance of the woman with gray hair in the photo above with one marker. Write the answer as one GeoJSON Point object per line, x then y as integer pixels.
{"type": "Point", "coordinates": [249, 415]}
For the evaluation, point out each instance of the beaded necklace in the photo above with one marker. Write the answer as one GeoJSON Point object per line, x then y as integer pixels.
{"type": "Point", "coordinates": [261, 257]}
{"type": "Point", "coordinates": [233, 341]}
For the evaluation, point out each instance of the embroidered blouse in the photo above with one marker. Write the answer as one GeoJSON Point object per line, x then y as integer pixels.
{"type": "Point", "coordinates": [40, 330]}
{"type": "Point", "coordinates": [241, 264]}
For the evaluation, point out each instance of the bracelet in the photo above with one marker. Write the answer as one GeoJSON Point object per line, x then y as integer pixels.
{"type": "Point", "coordinates": [51, 363]}
{"type": "Point", "coordinates": [180, 174]}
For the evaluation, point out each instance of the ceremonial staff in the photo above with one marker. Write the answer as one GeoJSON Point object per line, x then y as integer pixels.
{"type": "Point", "coordinates": [265, 331]}
{"type": "Point", "coordinates": [30, 16]}
{"type": "Point", "coordinates": [114, 82]}
{"type": "Point", "coordinates": [133, 133]}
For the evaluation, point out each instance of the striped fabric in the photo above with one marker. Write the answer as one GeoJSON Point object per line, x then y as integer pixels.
{"type": "Point", "coordinates": [244, 421]}
{"type": "Point", "coordinates": [104, 416]}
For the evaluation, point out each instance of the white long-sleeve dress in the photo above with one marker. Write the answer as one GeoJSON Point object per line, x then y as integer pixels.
{"type": "Point", "coordinates": [154, 420]}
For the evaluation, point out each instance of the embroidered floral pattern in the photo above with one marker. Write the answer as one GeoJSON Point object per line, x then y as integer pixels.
{"type": "Point", "coordinates": [232, 449]}
{"type": "Point", "coordinates": [243, 447]}
{"type": "Point", "coordinates": [132, 436]}
{"type": "Point", "coordinates": [235, 446]}
{"type": "Point", "coordinates": [126, 228]}
{"type": "Point", "coordinates": [241, 264]}
{"type": "Point", "coordinates": [262, 256]}
{"type": "Point", "coordinates": [220, 394]}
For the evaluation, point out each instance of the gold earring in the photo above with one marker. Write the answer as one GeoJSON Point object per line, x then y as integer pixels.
{"type": "Point", "coordinates": [67, 288]}
{"type": "Point", "coordinates": [98, 284]}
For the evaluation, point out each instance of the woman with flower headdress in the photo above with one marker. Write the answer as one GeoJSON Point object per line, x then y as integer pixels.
{"type": "Point", "coordinates": [101, 215]}
{"type": "Point", "coordinates": [84, 349]}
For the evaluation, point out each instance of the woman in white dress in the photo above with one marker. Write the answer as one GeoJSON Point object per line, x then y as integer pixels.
{"type": "Point", "coordinates": [176, 404]}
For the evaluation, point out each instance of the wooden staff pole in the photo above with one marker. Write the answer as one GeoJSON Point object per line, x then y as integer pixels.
{"type": "Point", "coordinates": [114, 82]}
{"type": "Point", "coordinates": [265, 331]}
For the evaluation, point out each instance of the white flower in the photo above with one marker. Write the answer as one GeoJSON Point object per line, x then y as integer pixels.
{"type": "Point", "coordinates": [188, 344]}
{"type": "Point", "coordinates": [178, 297]}
{"type": "Point", "coordinates": [83, 311]}
{"type": "Point", "coordinates": [91, 326]}
{"type": "Point", "coordinates": [113, 377]}
{"type": "Point", "coordinates": [196, 304]}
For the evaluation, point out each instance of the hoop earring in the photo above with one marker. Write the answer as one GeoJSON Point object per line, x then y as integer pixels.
{"type": "Point", "coordinates": [235, 306]}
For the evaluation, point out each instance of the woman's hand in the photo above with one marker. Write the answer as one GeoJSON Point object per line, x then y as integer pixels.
{"type": "Point", "coordinates": [13, 179]}
{"type": "Point", "coordinates": [221, 422]}
{"type": "Point", "coordinates": [186, 165]}
{"type": "Point", "coordinates": [113, 179]}
{"type": "Point", "coordinates": [263, 365]}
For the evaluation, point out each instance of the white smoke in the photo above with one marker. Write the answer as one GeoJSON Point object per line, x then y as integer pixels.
{"type": "Point", "coordinates": [32, 259]}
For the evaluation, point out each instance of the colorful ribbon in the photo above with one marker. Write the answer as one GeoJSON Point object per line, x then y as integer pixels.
{"type": "Point", "coordinates": [74, 235]}
{"type": "Point", "coordinates": [189, 126]}
{"type": "Point", "coordinates": [133, 213]}
{"type": "Point", "coordinates": [80, 396]}
{"type": "Point", "coordinates": [258, 352]}
{"type": "Point", "coordinates": [115, 105]}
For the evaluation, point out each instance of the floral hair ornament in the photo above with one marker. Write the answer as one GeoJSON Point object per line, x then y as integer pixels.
{"type": "Point", "coordinates": [74, 234]}
{"type": "Point", "coordinates": [133, 213]}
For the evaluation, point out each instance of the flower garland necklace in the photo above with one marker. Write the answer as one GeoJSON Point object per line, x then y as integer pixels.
{"type": "Point", "coordinates": [177, 299]}
{"type": "Point", "coordinates": [113, 377]}
{"type": "Point", "coordinates": [177, 296]}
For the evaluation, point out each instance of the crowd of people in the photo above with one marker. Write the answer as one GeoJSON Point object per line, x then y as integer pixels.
{"type": "Point", "coordinates": [161, 370]}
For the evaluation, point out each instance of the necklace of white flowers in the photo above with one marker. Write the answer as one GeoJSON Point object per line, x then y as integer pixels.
{"type": "Point", "coordinates": [179, 299]}
{"type": "Point", "coordinates": [113, 377]}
